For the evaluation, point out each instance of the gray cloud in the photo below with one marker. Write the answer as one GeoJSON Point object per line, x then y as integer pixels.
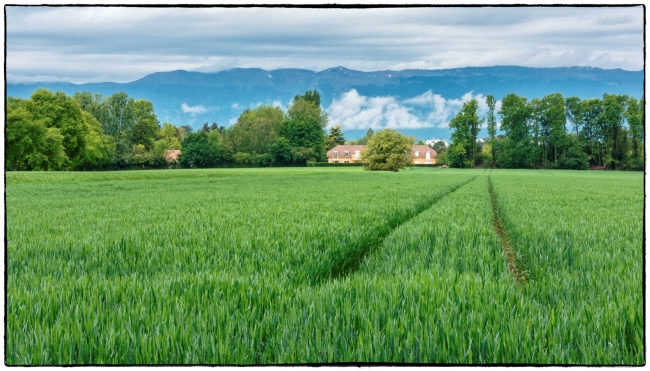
{"type": "Point", "coordinates": [123, 44]}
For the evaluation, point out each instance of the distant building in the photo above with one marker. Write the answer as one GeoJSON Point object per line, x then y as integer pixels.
{"type": "Point", "coordinates": [424, 155]}
{"type": "Point", "coordinates": [433, 141]}
{"type": "Point", "coordinates": [344, 153]}
{"type": "Point", "coordinates": [171, 156]}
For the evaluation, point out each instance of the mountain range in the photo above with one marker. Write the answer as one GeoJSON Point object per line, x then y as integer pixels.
{"type": "Point", "coordinates": [185, 97]}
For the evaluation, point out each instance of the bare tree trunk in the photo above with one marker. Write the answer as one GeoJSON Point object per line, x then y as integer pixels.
{"type": "Point", "coordinates": [15, 164]}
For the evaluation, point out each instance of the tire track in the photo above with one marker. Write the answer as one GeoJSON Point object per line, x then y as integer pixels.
{"type": "Point", "coordinates": [352, 260]}
{"type": "Point", "coordinates": [514, 260]}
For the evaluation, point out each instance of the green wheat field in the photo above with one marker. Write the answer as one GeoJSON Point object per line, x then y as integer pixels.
{"type": "Point", "coordinates": [324, 265]}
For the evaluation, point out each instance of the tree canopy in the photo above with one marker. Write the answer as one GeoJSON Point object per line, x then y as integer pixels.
{"type": "Point", "coordinates": [388, 150]}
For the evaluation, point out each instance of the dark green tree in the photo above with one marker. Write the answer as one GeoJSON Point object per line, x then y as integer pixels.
{"type": "Point", "coordinates": [634, 116]}
{"type": "Point", "coordinates": [145, 124]}
{"type": "Point", "coordinates": [335, 138]}
{"type": "Point", "coordinates": [197, 151]}
{"type": "Point", "coordinates": [304, 129]}
{"type": "Point", "coordinates": [573, 106]}
{"type": "Point", "coordinates": [491, 125]}
{"type": "Point", "coordinates": [466, 126]}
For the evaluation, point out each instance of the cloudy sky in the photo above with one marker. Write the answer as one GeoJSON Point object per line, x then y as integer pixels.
{"type": "Point", "coordinates": [124, 44]}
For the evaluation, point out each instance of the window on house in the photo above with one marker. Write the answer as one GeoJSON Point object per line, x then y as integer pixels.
{"type": "Point", "coordinates": [417, 153]}
{"type": "Point", "coordinates": [347, 153]}
{"type": "Point", "coordinates": [357, 154]}
{"type": "Point", "coordinates": [336, 155]}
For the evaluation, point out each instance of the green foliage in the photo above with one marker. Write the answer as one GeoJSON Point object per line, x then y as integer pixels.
{"type": "Point", "coordinates": [443, 158]}
{"type": "Point", "coordinates": [198, 152]}
{"type": "Point", "coordinates": [573, 106]}
{"type": "Point", "coordinates": [439, 147]}
{"type": "Point", "coordinates": [466, 126]}
{"type": "Point", "coordinates": [575, 158]}
{"type": "Point", "coordinates": [282, 152]}
{"type": "Point", "coordinates": [24, 136]}
{"type": "Point", "coordinates": [256, 130]}
{"type": "Point", "coordinates": [457, 155]}
{"type": "Point", "coordinates": [145, 126]}
{"type": "Point", "coordinates": [56, 110]}
{"type": "Point", "coordinates": [516, 115]}
{"type": "Point", "coordinates": [387, 150]}
{"type": "Point", "coordinates": [334, 138]}
{"type": "Point", "coordinates": [171, 135]}
{"type": "Point", "coordinates": [302, 131]}
{"type": "Point", "coordinates": [140, 155]}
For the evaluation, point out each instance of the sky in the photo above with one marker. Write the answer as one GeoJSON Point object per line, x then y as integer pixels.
{"type": "Point", "coordinates": [97, 44]}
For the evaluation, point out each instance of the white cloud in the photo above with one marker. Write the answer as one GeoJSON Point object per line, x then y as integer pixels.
{"type": "Point", "coordinates": [193, 110]}
{"type": "Point", "coordinates": [276, 103]}
{"type": "Point", "coordinates": [353, 111]}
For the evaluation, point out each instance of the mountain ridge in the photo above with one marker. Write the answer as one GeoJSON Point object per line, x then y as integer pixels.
{"type": "Point", "coordinates": [224, 94]}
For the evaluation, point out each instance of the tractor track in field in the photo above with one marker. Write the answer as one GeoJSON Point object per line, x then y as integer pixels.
{"type": "Point", "coordinates": [514, 263]}
{"type": "Point", "coordinates": [351, 262]}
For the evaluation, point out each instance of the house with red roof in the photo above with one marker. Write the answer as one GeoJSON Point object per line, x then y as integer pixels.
{"type": "Point", "coordinates": [344, 153]}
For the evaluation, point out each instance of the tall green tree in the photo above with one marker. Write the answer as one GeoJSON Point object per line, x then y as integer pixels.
{"type": "Point", "coordinates": [100, 148]}
{"type": "Point", "coordinates": [491, 124]}
{"type": "Point", "coordinates": [634, 116]}
{"type": "Point", "coordinates": [24, 136]}
{"type": "Point", "coordinates": [145, 124]}
{"type": "Point", "coordinates": [573, 106]}
{"type": "Point", "coordinates": [335, 137]}
{"type": "Point", "coordinates": [466, 125]}
{"type": "Point", "coordinates": [552, 116]}
{"type": "Point", "coordinates": [592, 112]}
{"type": "Point", "coordinates": [57, 110]}
{"type": "Point", "coordinates": [516, 115]}
{"type": "Point", "coordinates": [304, 129]}
{"type": "Point", "coordinates": [614, 109]}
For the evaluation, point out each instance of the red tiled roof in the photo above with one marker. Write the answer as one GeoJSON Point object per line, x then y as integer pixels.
{"type": "Point", "coordinates": [345, 147]}
{"type": "Point", "coordinates": [352, 148]}
{"type": "Point", "coordinates": [423, 151]}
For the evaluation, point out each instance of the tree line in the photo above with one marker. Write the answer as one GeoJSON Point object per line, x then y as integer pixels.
{"type": "Point", "coordinates": [551, 132]}
{"type": "Point", "coordinates": [53, 131]}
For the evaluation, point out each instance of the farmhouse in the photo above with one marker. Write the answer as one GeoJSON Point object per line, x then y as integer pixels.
{"type": "Point", "coordinates": [352, 153]}
{"type": "Point", "coordinates": [345, 153]}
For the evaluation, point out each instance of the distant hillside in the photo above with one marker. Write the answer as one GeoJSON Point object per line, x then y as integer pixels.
{"type": "Point", "coordinates": [225, 94]}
